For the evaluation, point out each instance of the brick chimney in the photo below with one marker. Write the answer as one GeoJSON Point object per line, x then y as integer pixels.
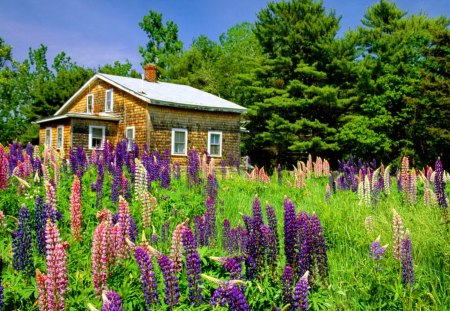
{"type": "Point", "coordinates": [150, 72]}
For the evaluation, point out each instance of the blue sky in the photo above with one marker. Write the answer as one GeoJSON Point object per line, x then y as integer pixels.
{"type": "Point", "coordinates": [97, 32]}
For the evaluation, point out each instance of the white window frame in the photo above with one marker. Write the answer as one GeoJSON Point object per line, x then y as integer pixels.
{"type": "Point", "coordinates": [48, 142]}
{"type": "Point", "coordinates": [87, 103]}
{"type": "Point", "coordinates": [185, 131]}
{"type": "Point", "coordinates": [130, 141]}
{"type": "Point", "coordinates": [58, 128]}
{"type": "Point", "coordinates": [220, 143]}
{"type": "Point", "coordinates": [91, 127]}
{"type": "Point", "coordinates": [112, 100]}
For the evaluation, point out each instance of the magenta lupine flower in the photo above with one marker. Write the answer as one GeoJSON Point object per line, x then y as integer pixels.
{"type": "Point", "coordinates": [407, 260]}
{"type": "Point", "coordinates": [193, 268]}
{"type": "Point", "coordinates": [172, 291]}
{"type": "Point", "coordinates": [301, 294]}
{"type": "Point", "coordinates": [46, 298]}
{"type": "Point", "coordinates": [376, 250]}
{"type": "Point", "coordinates": [439, 184]}
{"type": "Point", "coordinates": [148, 278]}
{"type": "Point", "coordinates": [286, 285]}
{"type": "Point", "coordinates": [111, 301]}
{"type": "Point", "coordinates": [290, 229]}
{"type": "Point", "coordinates": [56, 264]}
{"type": "Point", "coordinates": [75, 209]}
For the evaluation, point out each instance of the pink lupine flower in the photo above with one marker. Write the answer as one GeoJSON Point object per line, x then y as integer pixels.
{"type": "Point", "coordinates": [123, 231]}
{"type": "Point", "coordinates": [75, 209]}
{"type": "Point", "coordinates": [56, 172]}
{"type": "Point", "coordinates": [102, 255]}
{"type": "Point", "coordinates": [398, 235]}
{"type": "Point", "coordinates": [45, 300]}
{"type": "Point", "coordinates": [146, 209]}
{"type": "Point", "coordinates": [326, 168]}
{"type": "Point", "coordinates": [50, 195]}
{"type": "Point", "coordinates": [177, 247]}
{"type": "Point", "coordinates": [56, 265]}
{"type": "Point", "coordinates": [26, 166]}
{"type": "Point", "coordinates": [4, 168]}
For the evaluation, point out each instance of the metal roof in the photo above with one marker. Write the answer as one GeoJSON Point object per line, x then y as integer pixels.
{"type": "Point", "coordinates": [164, 94]}
{"type": "Point", "coordinates": [79, 115]}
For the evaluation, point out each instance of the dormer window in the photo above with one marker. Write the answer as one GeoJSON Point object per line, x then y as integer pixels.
{"type": "Point", "coordinates": [109, 100]}
{"type": "Point", "coordinates": [90, 103]}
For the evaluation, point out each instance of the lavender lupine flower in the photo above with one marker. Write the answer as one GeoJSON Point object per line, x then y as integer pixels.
{"type": "Point", "coordinates": [304, 245]}
{"type": "Point", "coordinates": [148, 279]}
{"type": "Point", "coordinates": [439, 185]}
{"type": "Point", "coordinates": [376, 250]}
{"type": "Point", "coordinates": [99, 185]}
{"type": "Point", "coordinates": [407, 260]}
{"type": "Point", "coordinates": [211, 187]}
{"type": "Point", "coordinates": [270, 247]}
{"type": "Point", "coordinates": [111, 301]}
{"type": "Point", "coordinates": [290, 229]}
{"type": "Point", "coordinates": [199, 230]}
{"type": "Point", "coordinates": [165, 175]}
{"type": "Point", "coordinates": [210, 222]}
{"type": "Point", "coordinates": [233, 265]}
{"type": "Point", "coordinates": [226, 235]}
{"type": "Point", "coordinates": [176, 170]}
{"type": "Point", "coordinates": [286, 285]}
{"type": "Point", "coordinates": [133, 229]}
{"type": "Point", "coordinates": [320, 249]}
{"type": "Point", "coordinates": [22, 248]}
{"type": "Point", "coordinates": [193, 269]}
{"type": "Point", "coordinates": [154, 238]}
{"type": "Point", "coordinates": [165, 231]}
{"type": "Point", "coordinates": [172, 292]}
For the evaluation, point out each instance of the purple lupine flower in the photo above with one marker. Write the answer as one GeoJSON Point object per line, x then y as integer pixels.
{"type": "Point", "coordinates": [165, 231]}
{"type": "Point", "coordinates": [407, 260]}
{"type": "Point", "coordinates": [172, 292]}
{"type": "Point", "coordinates": [250, 267]}
{"type": "Point", "coordinates": [290, 229]}
{"type": "Point", "coordinates": [304, 245]}
{"type": "Point", "coordinates": [99, 185]}
{"type": "Point", "coordinates": [133, 229]}
{"type": "Point", "coordinates": [376, 250]}
{"type": "Point", "coordinates": [270, 247]}
{"type": "Point", "coordinates": [279, 175]}
{"type": "Point", "coordinates": [111, 301]}
{"type": "Point", "coordinates": [273, 225]}
{"type": "Point", "coordinates": [154, 238]}
{"type": "Point", "coordinates": [125, 185]}
{"type": "Point", "coordinates": [116, 184]}
{"type": "Point", "coordinates": [199, 230]}
{"type": "Point", "coordinates": [226, 235]}
{"type": "Point", "coordinates": [238, 165]}
{"type": "Point", "coordinates": [234, 267]}
{"type": "Point", "coordinates": [135, 150]}
{"type": "Point", "coordinates": [193, 269]}
{"type": "Point", "coordinates": [165, 175]}
{"type": "Point", "coordinates": [229, 294]}
{"type": "Point", "coordinates": [223, 169]}
{"type": "Point", "coordinates": [193, 169]}
{"type": "Point", "coordinates": [210, 222]}
{"type": "Point", "coordinates": [42, 211]}
{"type": "Point", "coordinates": [301, 294]}
{"type": "Point", "coordinates": [148, 279]}
{"type": "Point", "coordinates": [243, 240]}
{"type": "Point", "coordinates": [319, 245]}
{"type": "Point", "coordinates": [286, 285]}
{"type": "Point", "coordinates": [22, 248]}
{"type": "Point", "coordinates": [439, 184]}
{"type": "Point", "coordinates": [211, 187]}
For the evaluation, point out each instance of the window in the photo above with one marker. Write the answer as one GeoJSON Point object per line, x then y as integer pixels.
{"type": "Point", "coordinates": [48, 137]}
{"type": "Point", "coordinates": [96, 136]}
{"type": "Point", "coordinates": [215, 144]}
{"type": "Point", "coordinates": [109, 100]}
{"type": "Point", "coordinates": [90, 103]}
{"type": "Point", "coordinates": [179, 142]}
{"type": "Point", "coordinates": [59, 136]}
{"type": "Point", "coordinates": [130, 136]}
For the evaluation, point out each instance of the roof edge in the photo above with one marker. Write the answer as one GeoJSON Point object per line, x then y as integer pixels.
{"type": "Point", "coordinates": [195, 107]}
{"type": "Point", "coordinates": [78, 116]}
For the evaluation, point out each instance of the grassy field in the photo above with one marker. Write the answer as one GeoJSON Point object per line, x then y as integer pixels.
{"type": "Point", "coordinates": [355, 280]}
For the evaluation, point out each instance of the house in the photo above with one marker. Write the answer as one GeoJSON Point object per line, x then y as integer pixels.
{"type": "Point", "coordinates": [162, 115]}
